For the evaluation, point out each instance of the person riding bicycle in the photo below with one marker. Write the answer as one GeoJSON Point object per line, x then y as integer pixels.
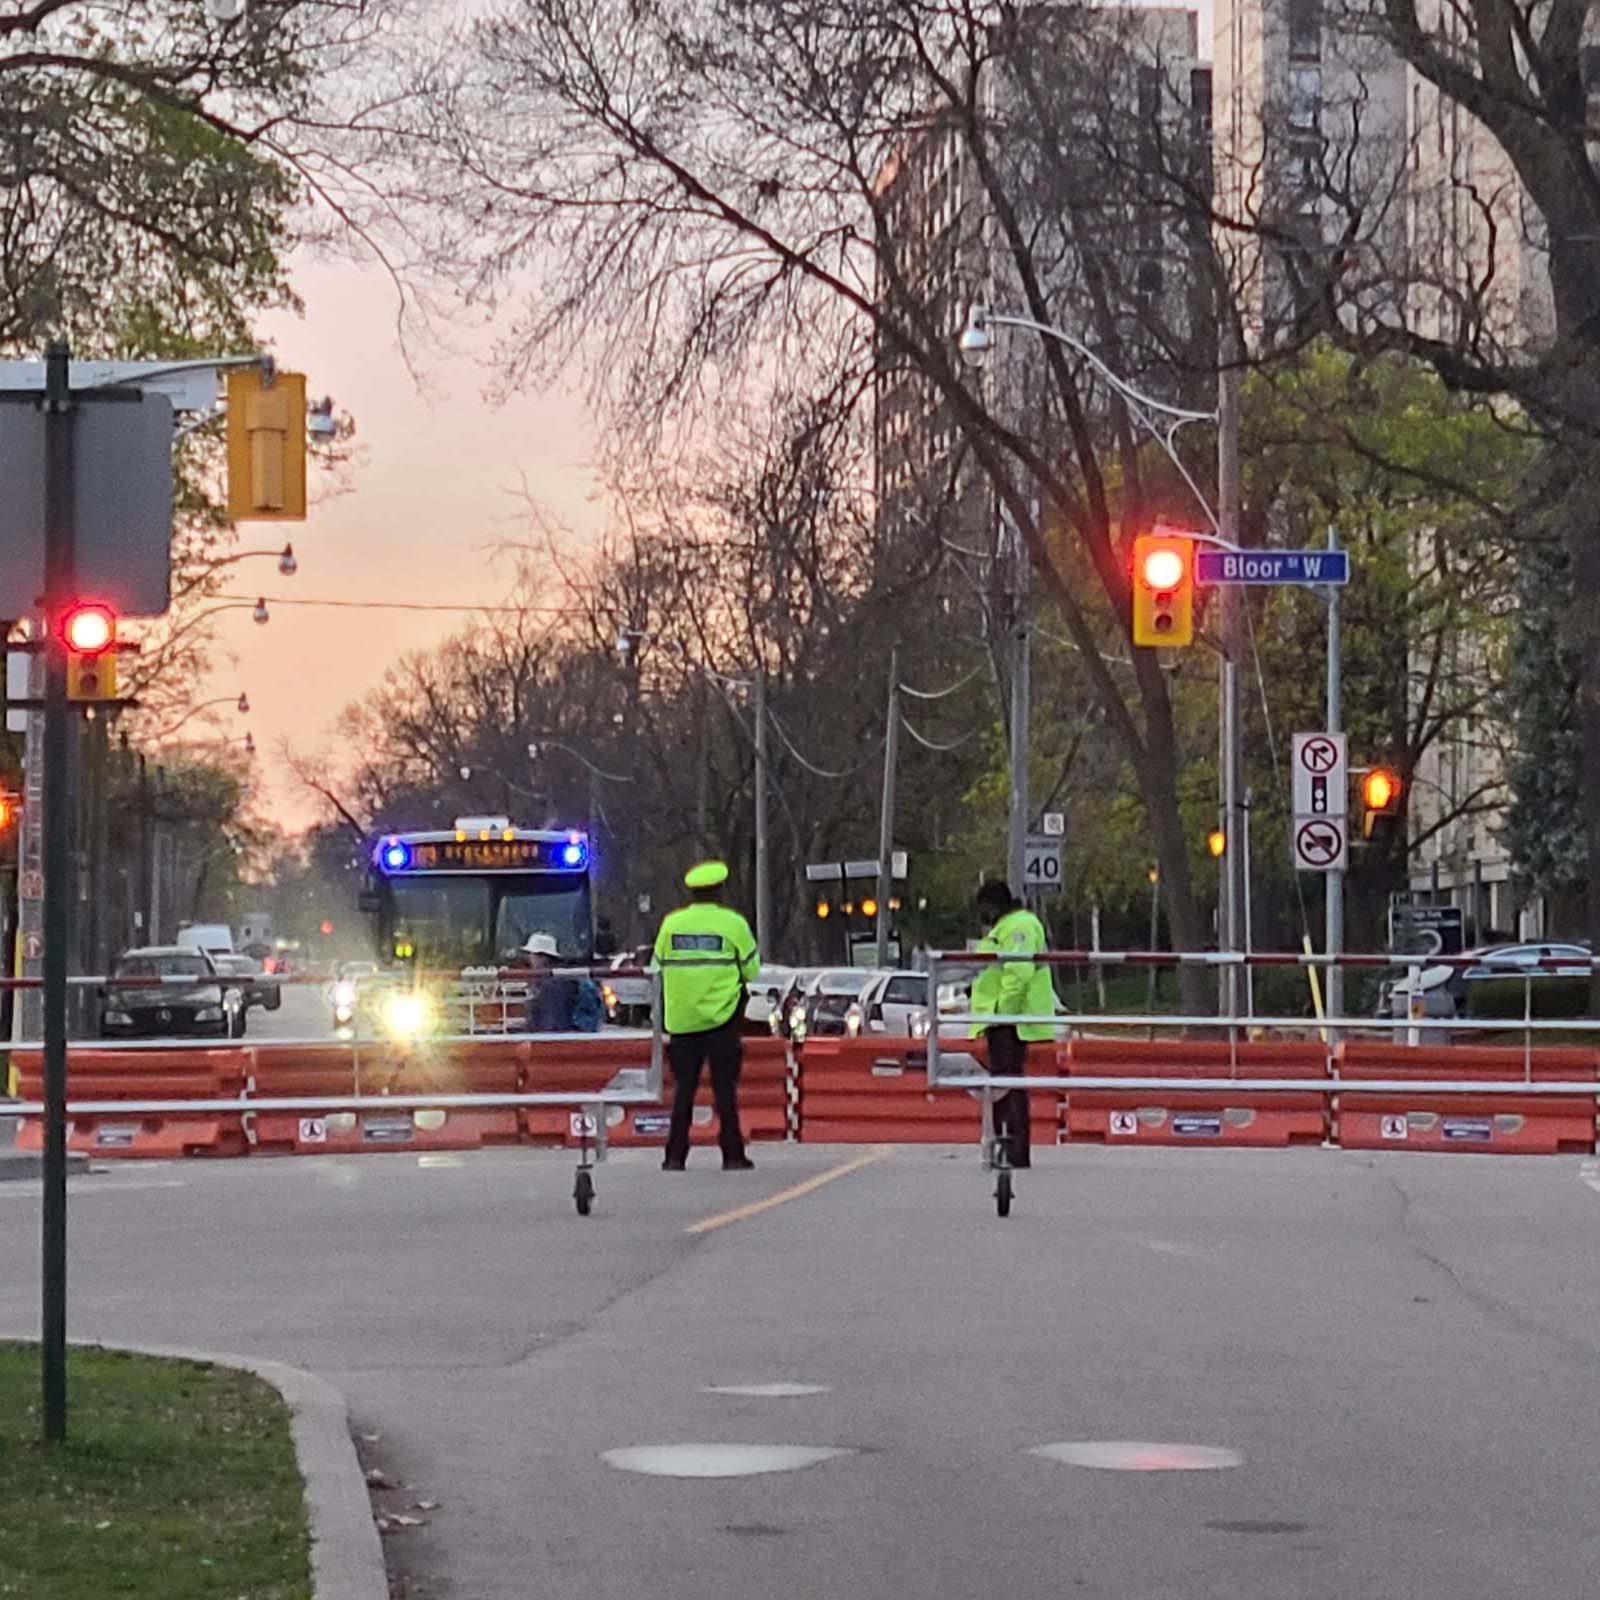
{"type": "Point", "coordinates": [1008, 989]}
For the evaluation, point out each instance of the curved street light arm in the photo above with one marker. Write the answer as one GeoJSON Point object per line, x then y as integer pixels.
{"type": "Point", "coordinates": [1144, 407]}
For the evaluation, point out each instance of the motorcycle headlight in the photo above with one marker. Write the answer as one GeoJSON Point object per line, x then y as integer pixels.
{"type": "Point", "coordinates": [342, 1014]}
{"type": "Point", "coordinates": [852, 1021]}
{"type": "Point", "coordinates": [919, 1025]}
{"type": "Point", "coordinates": [344, 993]}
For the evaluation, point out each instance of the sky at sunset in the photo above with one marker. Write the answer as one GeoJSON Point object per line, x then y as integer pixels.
{"type": "Point", "coordinates": [435, 485]}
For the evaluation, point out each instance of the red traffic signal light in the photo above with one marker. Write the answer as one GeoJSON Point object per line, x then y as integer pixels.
{"type": "Point", "coordinates": [88, 627]}
{"type": "Point", "coordinates": [10, 810]}
{"type": "Point", "coordinates": [1163, 589]}
{"type": "Point", "coordinates": [327, 927]}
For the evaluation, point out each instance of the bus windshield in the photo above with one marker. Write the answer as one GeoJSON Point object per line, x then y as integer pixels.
{"type": "Point", "coordinates": [479, 922]}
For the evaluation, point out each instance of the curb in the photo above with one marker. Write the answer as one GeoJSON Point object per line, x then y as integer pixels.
{"type": "Point", "coordinates": [19, 1166]}
{"type": "Point", "coordinates": [346, 1553]}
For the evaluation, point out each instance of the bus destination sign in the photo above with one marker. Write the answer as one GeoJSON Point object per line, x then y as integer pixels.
{"type": "Point", "coordinates": [482, 855]}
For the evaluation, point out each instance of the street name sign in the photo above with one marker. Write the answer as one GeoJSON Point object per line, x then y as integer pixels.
{"type": "Point", "coordinates": [1272, 566]}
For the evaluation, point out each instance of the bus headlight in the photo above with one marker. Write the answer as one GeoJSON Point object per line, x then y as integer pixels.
{"type": "Point", "coordinates": [407, 1014]}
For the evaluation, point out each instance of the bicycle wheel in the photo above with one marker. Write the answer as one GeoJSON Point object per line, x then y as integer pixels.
{"type": "Point", "coordinates": [1002, 1193]}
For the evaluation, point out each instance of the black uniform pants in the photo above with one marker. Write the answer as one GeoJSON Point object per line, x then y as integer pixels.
{"type": "Point", "coordinates": [1008, 1058]}
{"type": "Point", "coordinates": [687, 1053]}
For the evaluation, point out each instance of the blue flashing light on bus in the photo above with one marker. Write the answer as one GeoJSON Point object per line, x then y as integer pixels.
{"type": "Point", "coordinates": [396, 855]}
{"type": "Point", "coordinates": [574, 853]}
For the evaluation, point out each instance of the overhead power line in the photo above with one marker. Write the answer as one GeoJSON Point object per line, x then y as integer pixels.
{"type": "Point", "coordinates": [930, 744]}
{"type": "Point", "coordinates": [940, 694]}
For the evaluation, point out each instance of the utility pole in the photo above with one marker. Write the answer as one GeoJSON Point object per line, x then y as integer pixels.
{"type": "Point", "coordinates": [1232, 603]}
{"type": "Point", "coordinates": [59, 521]}
{"type": "Point", "coordinates": [891, 760]}
{"type": "Point", "coordinates": [763, 875]}
{"type": "Point", "coordinates": [1021, 713]}
{"type": "Point", "coordinates": [1333, 882]}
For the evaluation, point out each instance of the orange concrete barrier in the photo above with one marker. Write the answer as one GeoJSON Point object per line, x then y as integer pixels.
{"type": "Point", "coordinates": [488, 1066]}
{"type": "Point", "coordinates": [1166, 1116]}
{"type": "Point", "coordinates": [1485, 1124]}
{"type": "Point", "coordinates": [874, 1090]}
{"type": "Point", "coordinates": [764, 1093]}
{"type": "Point", "coordinates": [194, 1073]}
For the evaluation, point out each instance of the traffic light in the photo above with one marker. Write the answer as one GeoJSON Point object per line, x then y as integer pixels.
{"type": "Point", "coordinates": [869, 907]}
{"type": "Point", "coordinates": [89, 631]}
{"type": "Point", "coordinates": [10, 810]}
{"type": "Point", "coordinates": [1217, 842]}
{"type": "Point", "coordinates": [1380, 797]}
{"type": "Point", "coordinates": [266, 446]}
{"type": "Point", "coordinates": [824, 910]}
{"type": "Point", "coordinates": [1163, 589]}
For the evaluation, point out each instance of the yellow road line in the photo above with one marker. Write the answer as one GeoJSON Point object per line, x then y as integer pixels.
{"type": "Point", "coordinates": [754, 1209]}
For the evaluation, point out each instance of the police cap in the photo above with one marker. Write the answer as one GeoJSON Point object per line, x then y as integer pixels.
{"type": "Point", "coordinates": [706, 875]}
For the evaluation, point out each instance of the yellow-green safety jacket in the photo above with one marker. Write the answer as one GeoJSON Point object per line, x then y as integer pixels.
{"type": "Point", "coordinates": [1015, 988]}
{"type": "Point", "coordinates": [698, 998]}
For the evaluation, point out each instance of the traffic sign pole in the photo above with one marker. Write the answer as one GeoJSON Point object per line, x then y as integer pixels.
{"type": "Point", "coordinates": [1333, 883]}
{"type": "Point", "coordinates": [58, 573]}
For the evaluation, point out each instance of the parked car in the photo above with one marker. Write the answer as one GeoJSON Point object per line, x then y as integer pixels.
{"type": "Point", "coordinates": [888, 1003]}
{"type": "Point", "coordinates": [828, 1002]}
{"type": "Point", "coordinates": [1501, 980]}
{"type": "Point", "coordinates": [767, 990]}
{"type": "Point", "coordinates": [266, 995]}
{"type": "Point", "coordinates": [188, 999]}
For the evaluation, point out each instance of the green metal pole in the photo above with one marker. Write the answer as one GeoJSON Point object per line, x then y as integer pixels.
{"type": "Point", "coordinates": [58, 579]}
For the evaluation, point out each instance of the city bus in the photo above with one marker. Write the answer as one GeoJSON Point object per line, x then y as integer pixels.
{"type": "Point", "coordinates": [460, 904]}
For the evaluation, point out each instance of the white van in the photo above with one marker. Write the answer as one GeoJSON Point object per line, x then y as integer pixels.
{"type": "Point", "coordinates": [214, 938]}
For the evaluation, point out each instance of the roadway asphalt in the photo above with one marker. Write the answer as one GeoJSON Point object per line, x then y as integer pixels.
{"type": "Point", "coordinates": [1400, 1353]}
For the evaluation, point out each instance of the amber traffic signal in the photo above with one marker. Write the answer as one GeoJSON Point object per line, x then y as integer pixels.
{"type": "Point", "coordinates": [1380, 797]}
{"type": "Point", "coordinates": [1163, 589]}
{"type": "Point", "coordinates": [1217, 842]}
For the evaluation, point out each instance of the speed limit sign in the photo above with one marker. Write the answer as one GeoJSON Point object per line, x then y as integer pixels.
{"type": "Point", "coordinates": [1041, 863]}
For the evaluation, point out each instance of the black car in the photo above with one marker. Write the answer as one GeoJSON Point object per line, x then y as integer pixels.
{"type": "Point", "coordinates": [187, 999]}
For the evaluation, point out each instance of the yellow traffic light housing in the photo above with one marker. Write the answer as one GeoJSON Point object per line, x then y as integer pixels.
{"type": "Point", "coordinates": [1163, 589]}
{"type": "Point", "coordinates": [89, 631]}
{"type": "Point", "coordinates": [266, 446]}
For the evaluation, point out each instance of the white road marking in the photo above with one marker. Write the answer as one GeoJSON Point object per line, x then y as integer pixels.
{"type": "Point", "coordinates": [718, 1460]}
{"type": "Point", "coordinates": [440, 1159]}
{"type": "Point", "coordinates": [1129, 1455]}
{"type": "Point", "coordinates": [768, 1391]}
{"type": "Point", "coordinates": [1590, 1173]}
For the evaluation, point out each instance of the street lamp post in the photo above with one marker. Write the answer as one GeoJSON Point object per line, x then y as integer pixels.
{"type": "Point", "coordinates": [1162, 421]}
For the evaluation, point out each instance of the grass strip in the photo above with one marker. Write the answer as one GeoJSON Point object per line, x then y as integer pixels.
{"type": "Point", "coordinates": [177, 1481]}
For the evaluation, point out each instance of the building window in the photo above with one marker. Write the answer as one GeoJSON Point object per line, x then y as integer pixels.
{"type": "Point", "coordinates": [1305, 98]}
{"type": "Point", "coordinates": [1305, 30]}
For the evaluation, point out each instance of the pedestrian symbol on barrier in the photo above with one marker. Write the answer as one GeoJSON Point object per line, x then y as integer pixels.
{"type": "Point", "coordinates": [1124, 1122]}
{"type": "Point", "coordinates": [583, 1125]}
{"type": "Point", "coordinates": [1394, 1127]}
{"type": "Point", "coordinates": [313, 1130]}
